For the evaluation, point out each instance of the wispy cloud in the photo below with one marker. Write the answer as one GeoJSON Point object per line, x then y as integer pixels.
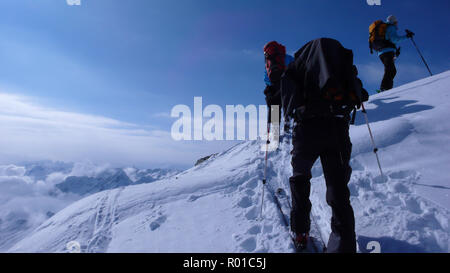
{"type": "Point", "coordinates": [162, 115]}
{"type": "Point", "coordinates": [407, 72]}
{"type": "Point", "coordinates": [34, 132]}
{"type": "Point", "coordinates": [372, 73]}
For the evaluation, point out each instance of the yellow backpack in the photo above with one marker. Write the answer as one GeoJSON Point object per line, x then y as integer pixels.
{"type": "Point", "coordinates": [377, 36]}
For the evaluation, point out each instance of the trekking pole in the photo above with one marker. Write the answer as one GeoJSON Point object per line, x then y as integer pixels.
{"type": "Point", "coordinates": [265, 168]}
{"type": "Point", "coordinates": [375, 149]}
{"type": "Point", "coordinates": [421, 56]}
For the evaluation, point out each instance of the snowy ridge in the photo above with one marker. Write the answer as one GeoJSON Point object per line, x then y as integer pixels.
{"type": "Point", "coordinates": [112, 178]}
{"type": "Point", "coordinates": [215, 206]}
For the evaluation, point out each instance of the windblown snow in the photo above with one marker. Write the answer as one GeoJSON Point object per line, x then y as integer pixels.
{"type": "Point", "coordinates": [215, 206]}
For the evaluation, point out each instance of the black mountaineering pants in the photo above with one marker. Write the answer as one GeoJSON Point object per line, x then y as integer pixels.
{"type": "Point", "coordinates": [389, 70]}
{"type": "Point", "coordinates": [327, 138]}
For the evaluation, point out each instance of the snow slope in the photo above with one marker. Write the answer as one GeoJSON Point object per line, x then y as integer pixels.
{"type": "Point", "coordinates": [215, 206]}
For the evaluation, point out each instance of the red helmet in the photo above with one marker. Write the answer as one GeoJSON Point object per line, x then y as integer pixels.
{"type": "Point", "coordinates": [274, 47]}
{"type": "Point", "coordinates": [275, 54]}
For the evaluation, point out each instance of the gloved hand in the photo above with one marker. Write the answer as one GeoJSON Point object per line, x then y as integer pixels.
{"type": "Point", "coordinates": [269, 90]}
{"type": "Point", "coordinates": [270, 100]}
{"type": "Point", "coordinates": [364, 98]}
{"type": "Point", "coordinates": [409, 33]}
{"type": "Point", "coordinates": [272, 95]}
{"type": "Point", "coordinates": [364, 95]}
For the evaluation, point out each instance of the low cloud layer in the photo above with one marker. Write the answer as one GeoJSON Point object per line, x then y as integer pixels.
{"type": "Point", "coordinates": [28, 195]}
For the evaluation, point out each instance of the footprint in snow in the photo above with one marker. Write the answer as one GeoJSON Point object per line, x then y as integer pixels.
{"type": "Point", "coordinates": [419, 223]}
{"type": "Point", "coordinates": [363, 182]}
{"type": "Point", "coordinates": [252, 214]}
{"type": "Point", "coordinates": [245, 202]}
{"type": "Point", "coordinates": [380, 179]}
{"type": "Point", "coordinates": [251, 184]}
{"type": "Point", "coordinates": [254, 230]}
{"type": "Point", "coordinates": [353, 189]}
{"type": "Point", "coordinates": [393, 200]}
{"type": "Point", "coordinates": [409, 175]}
{"type": "Point", "coordinates": [157, 223]}
{"type": "Point", "coordinates": [398, 187]}
{"type": "Point", "coordinates": [412, 204]}
{"type": "Point", "coordinates": [356, 165]}
{"type": "Point", "coordinates": [250, 192]}
{"type": "Point", "coordinates": [268, 228]}
{"type": "Point", "coordinates": [249, 244]}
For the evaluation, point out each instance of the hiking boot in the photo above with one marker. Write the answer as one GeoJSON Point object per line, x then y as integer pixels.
{"type": "Point", "coordinates": [301, 240]}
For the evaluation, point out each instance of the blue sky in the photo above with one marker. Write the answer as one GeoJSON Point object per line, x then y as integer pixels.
{"type": "Point", "coordinates": [134, 60]}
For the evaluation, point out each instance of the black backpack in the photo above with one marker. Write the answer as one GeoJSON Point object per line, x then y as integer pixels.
{"type": "Point", "coordinates": [322, 81]}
